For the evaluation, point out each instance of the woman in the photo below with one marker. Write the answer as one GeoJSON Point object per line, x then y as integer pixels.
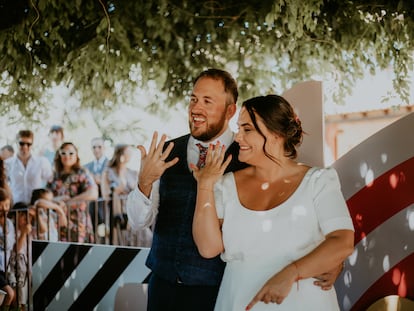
{"type": "Point", "coordinates": [75, 186]}
{"type": "Point", "coordinates": [117, 182]}
{"type": "Point", "coordinates": [117, 177]}
{"type": "Point", "coordinates": [275, 222]}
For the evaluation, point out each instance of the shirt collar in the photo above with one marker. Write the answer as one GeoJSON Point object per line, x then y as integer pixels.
{"type": "Point", "coordinates": [225, 139]}
{"type": "Point", "coordinates": [101, 160]}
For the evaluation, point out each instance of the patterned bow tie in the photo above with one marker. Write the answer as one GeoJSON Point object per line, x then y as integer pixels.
{"type": "Point", "coordinates": [202, 157]}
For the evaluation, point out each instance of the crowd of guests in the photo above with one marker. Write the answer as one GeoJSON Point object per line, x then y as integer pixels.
{"type": "Point", "coordinates": [53, 196]}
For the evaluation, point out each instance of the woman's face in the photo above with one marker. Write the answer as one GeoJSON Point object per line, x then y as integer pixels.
{"type": "Point", "coordinates": [5, 205]}
{"type": "Point", "coordinates": [68, 156]}
{"type": "Point", "coordinates": [251, 142]}
{"type": "Point", "coordinates": [127, 154]}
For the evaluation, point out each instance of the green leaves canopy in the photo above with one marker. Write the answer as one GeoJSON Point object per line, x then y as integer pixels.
{"type": "Point", "coordinates": [105, 50]}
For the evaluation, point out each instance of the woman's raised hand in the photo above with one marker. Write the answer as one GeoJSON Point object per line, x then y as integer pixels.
{"type": "Point", "coordinates": [214, 166]}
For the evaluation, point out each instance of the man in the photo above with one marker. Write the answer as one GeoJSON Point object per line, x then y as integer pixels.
{"type": "Point", "coordinates": [56, 137]}
{"type": "Point", "coordinates": [181, 279]}
{"type": "Point", "coordinates": [26, 171]}
{"type": "Point", "coordinates": [6, 152]}
{"type": "Point", "coordinates": [96, 168]}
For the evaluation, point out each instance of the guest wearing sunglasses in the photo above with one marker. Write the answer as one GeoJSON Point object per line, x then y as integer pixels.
{"type": "Point", "coordinates": [75, 186]}
{"type": "Point", "coordinates": [25, 170]}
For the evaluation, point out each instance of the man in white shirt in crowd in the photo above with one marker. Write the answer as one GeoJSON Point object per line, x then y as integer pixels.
{"type": "Point", "coordinates": [26, 171]}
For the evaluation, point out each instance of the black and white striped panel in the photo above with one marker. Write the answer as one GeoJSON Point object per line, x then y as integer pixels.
{"type": "Point", "coordinates": [71, 276]}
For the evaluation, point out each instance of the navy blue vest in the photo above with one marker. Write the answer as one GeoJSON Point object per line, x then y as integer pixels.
{"type": "Point", "coordinates": [174, 255]}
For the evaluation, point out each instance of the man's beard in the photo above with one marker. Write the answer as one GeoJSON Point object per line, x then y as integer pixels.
{"type": "Point", "coordinates": [212, 130]}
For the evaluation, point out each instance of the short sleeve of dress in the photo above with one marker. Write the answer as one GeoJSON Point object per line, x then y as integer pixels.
{"type": "Point", "coordinates": [329, 202]}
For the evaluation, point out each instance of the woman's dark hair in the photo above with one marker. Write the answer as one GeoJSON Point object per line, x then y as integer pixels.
{"type": "Point", "coordinates": [119, 151]}
{"type": "Point", "coordinates": [280, 118]}
{"type": "Point", "coordinates": [58, 162]}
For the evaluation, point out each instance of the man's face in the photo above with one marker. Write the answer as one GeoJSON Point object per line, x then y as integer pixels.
{"type": "Point", "coordinates": [97, 148]}
{"type": "Point", "coordinates": [24, 146]}
{"type": "Point", "coordinates": [208, 113]}
{"type": "Point", "coordinates": [56, 138]}
{"type": "Point", "coordinates": [68, 156]}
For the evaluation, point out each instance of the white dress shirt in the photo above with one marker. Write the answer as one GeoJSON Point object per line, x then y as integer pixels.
{"type": "Point", "coordinates": [23, 180]}
{"type": "Point", "coordinates": [142, 211]}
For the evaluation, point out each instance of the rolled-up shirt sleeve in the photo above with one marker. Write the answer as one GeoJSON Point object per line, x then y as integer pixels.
{"type": "Point", "coordinates": [142, 211]}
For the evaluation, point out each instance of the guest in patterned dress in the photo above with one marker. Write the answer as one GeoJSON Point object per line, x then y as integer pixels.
{"type": "Point", "coordinates": [75, 186]}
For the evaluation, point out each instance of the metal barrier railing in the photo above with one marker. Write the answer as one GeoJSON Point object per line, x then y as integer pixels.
{"type": "Point", "coordinates": [101, 221]}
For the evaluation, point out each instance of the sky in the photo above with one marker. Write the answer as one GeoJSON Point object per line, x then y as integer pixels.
{"type": "Point", "coordinates": [368, 94]}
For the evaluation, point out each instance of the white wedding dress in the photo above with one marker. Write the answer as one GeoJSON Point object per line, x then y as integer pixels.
{"type": "Point", "coordinates": [260, 243]}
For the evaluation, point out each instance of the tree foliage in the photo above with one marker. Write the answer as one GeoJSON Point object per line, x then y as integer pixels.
{"type": "Point", "coordinates": [105, 50]}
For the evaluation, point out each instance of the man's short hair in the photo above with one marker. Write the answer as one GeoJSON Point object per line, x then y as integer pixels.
{"type": "Point", "coordinates": [25, 134]}
{"type": "Point", "coordinates": [230, 84]}
{"type": "Point", "coordinates": [98, 139]}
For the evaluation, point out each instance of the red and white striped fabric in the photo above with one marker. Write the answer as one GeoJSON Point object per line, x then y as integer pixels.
{"type": "Point", "coordinates": [377, 179]}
